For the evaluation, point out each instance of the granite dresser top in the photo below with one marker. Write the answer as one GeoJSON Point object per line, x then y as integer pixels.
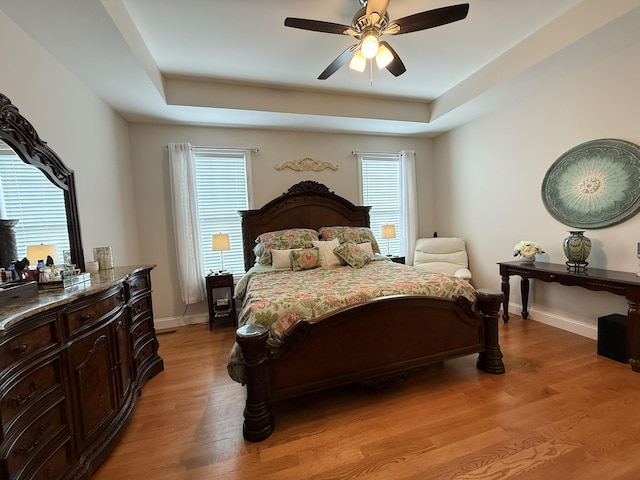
{"type": "Point", "coordinates": [49, 298]}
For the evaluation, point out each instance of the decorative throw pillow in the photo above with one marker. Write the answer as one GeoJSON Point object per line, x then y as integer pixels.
{"type": "Point", "coordinates": [328, 259]}
{"type": "Point", "coordinates": [282, 240]}
{"type": "Point", "coordinates": [346, 233]}
{"type": "Point", "coordinates": [351, 253]}
{"type": "Point", "coordinates": [305, 258]}
{"type": "Point", "coordinates": [366, 246]}
{"type": "Point", "coordinates": [281, 259]}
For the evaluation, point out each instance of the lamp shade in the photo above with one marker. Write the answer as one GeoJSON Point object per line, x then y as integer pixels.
{"type": "Point", "coordinates": [220, 242]}
{"type": "Point", "coordinates": [388, 231]}
{"type": "Point", "coordinates": [358, 62]}
{"type": "Point", "coordinates": [383, 57]}
{"type": "Point", "coordinates": [369, 45]}
{"type": "Point", "coordinates": [41, 252]}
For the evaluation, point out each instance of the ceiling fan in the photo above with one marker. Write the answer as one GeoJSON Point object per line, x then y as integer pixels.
{"type": "Point", "coordinates": [371, 22]}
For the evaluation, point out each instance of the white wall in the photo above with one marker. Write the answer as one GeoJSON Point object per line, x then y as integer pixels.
{"type": "Point", "coordinates": [85, 133]}
{"type": "Point", "coordinates": [490, 173]}
{"type": "Point", "coordinates": [150, 165]}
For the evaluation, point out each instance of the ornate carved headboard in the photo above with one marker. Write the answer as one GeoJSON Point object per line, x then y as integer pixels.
{"type": "Point", "coordinates": [307, 204]}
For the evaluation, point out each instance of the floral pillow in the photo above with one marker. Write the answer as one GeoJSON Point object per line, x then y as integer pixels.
{"type": "Point", "coordinates": [282, 240]}
{"type": "Point", "coordinates": [305, 258]}
{"type": "Point", "coordinates": [352, 254]}
{"type": "Point", "coordinates": [346, 234]}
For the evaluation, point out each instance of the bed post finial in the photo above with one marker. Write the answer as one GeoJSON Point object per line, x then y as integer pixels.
{"type": "Point", "coordinates": [490, 360]}
{"type": "Point", "coordinates": [258, 420]}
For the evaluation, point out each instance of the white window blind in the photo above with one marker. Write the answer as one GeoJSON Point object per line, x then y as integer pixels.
{"type": "Point", "coordinates": [380, 189]}
{"type": "Point", "coordinates": [28, 195]}
{"type": "Point", "coordinates": [222, 189]}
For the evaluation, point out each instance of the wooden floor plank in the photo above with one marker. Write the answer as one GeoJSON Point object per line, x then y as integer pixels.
{"type": "Point", "coordinates": [560, 411]}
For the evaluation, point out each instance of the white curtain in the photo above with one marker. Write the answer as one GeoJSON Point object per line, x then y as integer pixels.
{"type": "Point", "coordinates": [409, 194]}
{"type": "Point", "coordinates": [185, 222]}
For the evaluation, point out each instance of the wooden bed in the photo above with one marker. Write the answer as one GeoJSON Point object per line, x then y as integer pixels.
{"type": "Point", "coordinates": [377, 338]}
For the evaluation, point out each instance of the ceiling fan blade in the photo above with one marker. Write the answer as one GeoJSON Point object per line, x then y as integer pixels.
{"type": "Point", "coordinates": [396, 67]}
{"type": "Point", "coordinates": [344, 58]}
{"type": "Point", "coordinates": [431, 18]}
{"type": "Point", "coordinates": [316, 25]}
{"type": "Point", "coordinates": [377, 6]}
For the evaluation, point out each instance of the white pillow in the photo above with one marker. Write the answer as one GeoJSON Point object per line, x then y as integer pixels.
{"type": "Point", "coordinates": [327, 257]}
{"type": "Point", "coordinates": [281, 259]}
{"type": "Point", "coordinates": [368, 249]}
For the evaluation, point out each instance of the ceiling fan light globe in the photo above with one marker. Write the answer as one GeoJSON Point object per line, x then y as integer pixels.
{"type": "Point", "coordinates": [358, 62]}
{"type": "Point", "coordinates": [369, 45]}
{"type": "Point", "coordinates": [383, 57]}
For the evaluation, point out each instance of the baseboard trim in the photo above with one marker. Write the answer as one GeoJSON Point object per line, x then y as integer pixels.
{"type": "Point", "coordinates": [168, 323]}
{"type": "Point", "coordinates": [558, 321]}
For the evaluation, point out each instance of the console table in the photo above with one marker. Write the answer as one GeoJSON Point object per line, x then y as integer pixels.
{"type": "Point", "coordinates": [619, 283]}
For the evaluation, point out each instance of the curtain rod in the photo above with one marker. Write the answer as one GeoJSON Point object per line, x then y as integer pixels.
{"type": "Point", "coordinates": [253, 149]}
{"type": "Point", "coordinates": [356, 152]}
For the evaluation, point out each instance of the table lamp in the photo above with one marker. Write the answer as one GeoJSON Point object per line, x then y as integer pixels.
{"type": "Point", "coordinates": [388, 231]}
{"type": "Point", "coordinates": [220, 243]}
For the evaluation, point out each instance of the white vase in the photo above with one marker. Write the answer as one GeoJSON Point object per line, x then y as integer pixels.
{"type": "Point", "coordinates": [525, 259]}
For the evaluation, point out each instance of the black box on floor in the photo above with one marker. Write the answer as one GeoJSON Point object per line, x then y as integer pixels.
{"type": "Point", "coordinates": [612, 337]}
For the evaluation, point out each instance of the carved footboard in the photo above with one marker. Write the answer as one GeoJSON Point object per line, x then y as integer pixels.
{"type": "Point", "coordinates": [369, 340]}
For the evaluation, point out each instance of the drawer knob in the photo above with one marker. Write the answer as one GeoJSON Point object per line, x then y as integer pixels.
{"type": "Point", "coordinates": [22, 348]}
{"type": "Point", "coordinates": [27, 449]}
{"type": "Point", "coordinates": [85, 317]}
{"type": "Point", "coordinates": [552, 276]}
{"type": "Point", "coordinates": [20, 400]}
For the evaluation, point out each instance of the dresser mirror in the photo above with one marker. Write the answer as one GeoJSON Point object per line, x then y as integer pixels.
{"type": "Point", "coordinates": [17, 136]}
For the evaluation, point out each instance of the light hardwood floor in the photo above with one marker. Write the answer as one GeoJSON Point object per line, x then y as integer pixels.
{"type": "Point", "coordinates": [559, 412]}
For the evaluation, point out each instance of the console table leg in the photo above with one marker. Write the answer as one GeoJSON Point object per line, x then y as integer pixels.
{"type": "Point", "coordinates": [505, 301]}
{"type": "Point", "coordinates": [524, 291]}
{"type": "Point", "coordinates": [633, 335]}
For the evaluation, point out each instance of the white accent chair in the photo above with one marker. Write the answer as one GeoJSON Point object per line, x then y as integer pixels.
{"type": "Point", "coordinates": [442, 254]}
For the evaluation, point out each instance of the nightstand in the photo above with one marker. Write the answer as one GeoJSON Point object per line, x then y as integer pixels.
{"type": "Point", "coordinates": [395, 259]}
{"type": "Point", "coordinates": [221, 304]}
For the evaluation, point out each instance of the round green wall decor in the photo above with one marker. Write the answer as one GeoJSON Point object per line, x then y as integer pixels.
{"type": "Point", "coordinates": [594, 185]}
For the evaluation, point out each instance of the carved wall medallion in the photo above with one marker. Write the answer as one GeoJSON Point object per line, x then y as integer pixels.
{"type": "Point", "coordinates": [594, 185]}
{"type": "Point", "coordinates": [306, 165]}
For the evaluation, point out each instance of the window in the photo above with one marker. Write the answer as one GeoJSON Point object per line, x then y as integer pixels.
{"type": "Point", "coordinates": [222, 188]}
{"type": "Point", "coordinates": [27, 195]}
{"type": "Point", "coordinates": [380, 180]}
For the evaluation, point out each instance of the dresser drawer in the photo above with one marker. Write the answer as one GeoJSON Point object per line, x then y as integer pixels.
{"type": "Point", "coordinates": [26, 446]}
{"type": "Point", "coordinates": [92, 310]}
{"type": "Point", "coordinates": [56, 463]}
{"type": "Point", "coordinates": [138, 283]}
{"type": "Point", "coordinates": [145, 349]}
{"type": "Point", "coordinates": [140, 307]}
{"type": "Point", "coordinates": [140, 330]}
{"type": "Point", "coordinates": [26, 343]}
{"type": "Point", "coordinates": [32, 386]}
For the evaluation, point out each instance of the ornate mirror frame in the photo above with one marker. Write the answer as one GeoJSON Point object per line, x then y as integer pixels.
{"type": "Point", "coordinates": [19, 134]}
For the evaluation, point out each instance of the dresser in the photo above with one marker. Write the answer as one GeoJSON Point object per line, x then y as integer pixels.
{"type": "Point", "coordinates": [72, 364]}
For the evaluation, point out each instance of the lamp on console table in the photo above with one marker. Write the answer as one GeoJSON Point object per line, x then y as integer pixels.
{"type": "Point", "coordinates": [220, 243]}
{"type": "Point", "coordinates": [388, 232]}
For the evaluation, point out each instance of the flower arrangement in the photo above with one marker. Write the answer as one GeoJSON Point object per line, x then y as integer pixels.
{"type": "Point", "coordinates": [526, 248]}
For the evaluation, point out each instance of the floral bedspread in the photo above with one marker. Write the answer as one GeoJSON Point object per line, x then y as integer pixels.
{"type": "Point", "coordinates": [279, 299]}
